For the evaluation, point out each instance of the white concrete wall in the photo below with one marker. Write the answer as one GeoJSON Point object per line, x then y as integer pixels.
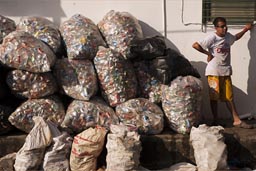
{"type": "Point", "coordinates": [178, 20]}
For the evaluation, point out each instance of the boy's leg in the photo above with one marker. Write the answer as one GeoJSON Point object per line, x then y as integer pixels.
{"type": "Point", "coordinates": [232, 108]}
{"type": "Point", "coordinates": [213, 83]}
{"type": "Point", "coordinates": [236, 120]}
{"type": "Point", "coordinates": [227, 93]}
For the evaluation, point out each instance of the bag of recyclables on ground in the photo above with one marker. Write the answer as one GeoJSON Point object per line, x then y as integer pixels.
{"type": "Point", "coordinates": [146, 116]}
{"type": "Point", "coordinates": [149, 86]}
{"type": "Point", "coordinates": [49, 108]}
{"type": "Point", "coordinates": [43, 29]}
{"type": "Point", "coordinates": [81, 115]}
{"type": "Point", "coordinates": [77, 78]}
{"type": "Point", "coordinates": [7, 25]}
{"type": "Point", "coordinates": [210, 150]}
{"type": "Point", "coordinates": [181, 103]}
{"type": "Point", "coordinates": [56, 157]}
{"type": "Point", "coordinates": [119, 29]}
{"type": "Point", "coordinates": [31, 85]}
{"type": "Point", "coordinates": [81, 37]}
{"type": "Point", "coordinates": [116, 76]}
{"type": "Point", "coordinates": [86, 148]}
{"type": "Point", "coordinates": [23, 51]}
{"type": "Point", "coordinates": [30, 156]}
{"type": "Point", "coordinates": [123, 149]}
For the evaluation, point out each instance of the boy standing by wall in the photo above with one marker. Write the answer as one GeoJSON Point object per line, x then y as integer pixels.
{"type": "Point", "coordinates": [219, 70]}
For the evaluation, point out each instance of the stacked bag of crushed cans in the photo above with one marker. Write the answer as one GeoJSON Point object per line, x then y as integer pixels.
{"type": "Point", "coordinates": [83, 75]}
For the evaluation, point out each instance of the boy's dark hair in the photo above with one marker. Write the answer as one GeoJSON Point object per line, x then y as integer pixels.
{"type": "Point", "coordinates": [218, 19]}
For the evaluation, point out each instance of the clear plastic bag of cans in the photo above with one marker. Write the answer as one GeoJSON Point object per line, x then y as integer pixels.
{"type": "Point", "coordinates": [23, 51]}
{"type": "Point", "coordinates": [119, 29]}
{"type": "Point", "coordinates": [181, 103]}
{"type": "Point", "coordinates": [5, 125]}
{"type": "Point", "coordinates": [43, 29]}
{"type": "Point", "coordinates": [143, 114]}
{"type": "Point", "coordinates": [149, 86]}
{"type": "Point", "coordinates": [81, 37]}
{"type": "Point", "coordinates": [30, 85]}
{"type": "Point", "coordinates": [81, 115]}
{"type": "Point", "coordinates": [116, 76]}
{"type": "Point", "coordinates": [49, 108]}
{"type": "Point", "coordinates": [7, 25]}
{"type": "Point", "coordinates": [77, 78]}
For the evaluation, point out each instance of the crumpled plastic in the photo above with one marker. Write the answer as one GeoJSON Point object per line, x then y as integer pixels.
{"type": "Point", "coordinates": [209, 146]}
{"type": "Point", "coordinates": [7, 25]}
{"type": "Point", "coordinates": [166, 68]}
{"type": "Point", "coordinates": [77, 78]}
{"type": "Point", "coordinates": [148, 48]}
{"type": "Point", "coordinates": [124, 149]}
{"type": "Point", "coordinates": [81, 115]}
{"type": "Point", "coordinates": [43, 29]}
{"type": "Point", "coordinates": [143, 114]}
{"type": "Point", "coordinates": [116, 76]}
{"type": "Point", "coordinates": [30, 85]}
{"type": "Point", "coordinates": [56, 157]}
{"type": "Point", "coordinates": [31, 154]}
{"type": "Point", "coordinates": [81, 37]}
{"type": "Point", "coordinates": [23, 51]}
{"type": "Point", "coordinates": [181, 102]}
{"type": "Point", "coordinates": [49, 108]}
{"type": "Point", "coordinates": [119, 29]}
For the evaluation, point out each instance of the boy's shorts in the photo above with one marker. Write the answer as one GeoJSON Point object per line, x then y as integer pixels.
{"type": "Point", "coordinates": [220, 88]}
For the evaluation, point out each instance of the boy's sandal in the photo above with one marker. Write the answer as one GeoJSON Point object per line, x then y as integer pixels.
{"type": "Point", "coordinates": [243, 125]}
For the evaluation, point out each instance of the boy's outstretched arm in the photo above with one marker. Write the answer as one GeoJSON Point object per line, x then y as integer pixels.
{"type": "Point", "coordinates": [199, 48]}
{"type": "Point", "coordinates": [246, 28]}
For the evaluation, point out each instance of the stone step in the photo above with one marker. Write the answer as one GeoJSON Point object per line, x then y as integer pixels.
{"type": "Point", "coordinates": [168, 148]}
{"type": "Point", "coordinates": [162, 151]}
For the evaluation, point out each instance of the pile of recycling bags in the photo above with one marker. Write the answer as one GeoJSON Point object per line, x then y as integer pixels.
{"type": "Point", "coordinates": [83, 75]}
